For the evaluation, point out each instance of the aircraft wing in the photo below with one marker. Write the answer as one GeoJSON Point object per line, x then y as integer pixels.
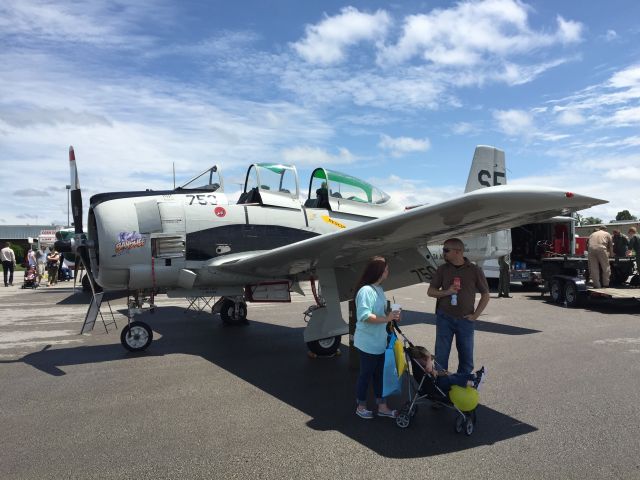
{"type": "Point", "coordinates": [479, 212]}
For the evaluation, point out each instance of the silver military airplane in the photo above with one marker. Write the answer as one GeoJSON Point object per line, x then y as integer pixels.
{"type": "Point", "coordinates": [192, 241]}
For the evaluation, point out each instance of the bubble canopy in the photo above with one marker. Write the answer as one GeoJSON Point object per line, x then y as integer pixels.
{"type": "Point", "coordinates": [341, 185]}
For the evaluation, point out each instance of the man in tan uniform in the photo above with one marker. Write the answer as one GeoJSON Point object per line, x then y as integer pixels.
{"type": "Point", "coordinates": [600, 247]}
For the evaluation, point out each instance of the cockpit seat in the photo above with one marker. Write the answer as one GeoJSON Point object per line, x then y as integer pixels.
{"type": "Point", "coordinates": [321, 200]}
{"type": "Point", "coordinates": [252, 196]}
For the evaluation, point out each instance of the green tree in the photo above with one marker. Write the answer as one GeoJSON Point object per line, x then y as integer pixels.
{"type": "Point", "coordinates": [20, 253]}
{"type": "Point", "coordinates": [591, 220]}
{"type": "Point", "coordinates": [625, 215]}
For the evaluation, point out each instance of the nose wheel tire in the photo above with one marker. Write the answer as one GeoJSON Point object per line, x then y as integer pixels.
{"type": "Point", "coordinates": [136, 336]}
{"type": "Point", "coordinates": [325, 347]}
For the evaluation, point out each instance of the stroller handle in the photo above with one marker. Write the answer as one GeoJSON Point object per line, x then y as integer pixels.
{"type": "Point", "coordinates": [395, 326]}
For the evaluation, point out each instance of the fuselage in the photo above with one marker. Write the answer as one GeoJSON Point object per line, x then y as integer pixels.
{"type": "Point", "coordinates": [144, 241]}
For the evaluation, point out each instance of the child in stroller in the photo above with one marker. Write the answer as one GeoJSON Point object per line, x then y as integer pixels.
{"type": "Point", "coordinates": [444, 379]}
{"type": "Point", "coordinates": [456, 391]}
{"type": "Point", "coordinates": [30, 278]}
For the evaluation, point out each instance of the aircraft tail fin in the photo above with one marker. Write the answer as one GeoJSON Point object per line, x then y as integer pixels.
{"type": "Point", "coordinates": [487, 168]}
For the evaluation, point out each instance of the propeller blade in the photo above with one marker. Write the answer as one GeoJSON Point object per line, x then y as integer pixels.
{"type": "Point", "coordinates": [76, 268]}
{"type": "Point", "coordinates": [76, 193]}
{"type": "Point", "coordinates": [83, 251]}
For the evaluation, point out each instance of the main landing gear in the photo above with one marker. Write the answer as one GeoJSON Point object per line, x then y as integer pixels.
{"type": "Point", "coordinates": [233, 311]}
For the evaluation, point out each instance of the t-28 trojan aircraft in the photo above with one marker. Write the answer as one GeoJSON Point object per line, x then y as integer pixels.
{"type": "Point", "coordinates": [193, 242]}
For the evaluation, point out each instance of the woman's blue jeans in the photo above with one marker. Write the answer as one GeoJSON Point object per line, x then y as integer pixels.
{"type": "Point", "coordinates": [371, 369]}
{"type": "Point", "coordinates": [446, 328]}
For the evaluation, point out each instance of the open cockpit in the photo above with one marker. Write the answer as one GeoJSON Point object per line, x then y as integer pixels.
{"type": "Point", "coordinates": [277, 185]}
{"type": "Point", "coordinates": [209, 180]}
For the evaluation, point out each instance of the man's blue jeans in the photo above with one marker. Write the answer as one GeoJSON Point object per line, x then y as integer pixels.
{"type": "Point", "coordinates": [446, 328]}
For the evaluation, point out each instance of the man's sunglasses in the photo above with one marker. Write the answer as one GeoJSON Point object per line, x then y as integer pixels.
{"type": "Point", "coordinates": [447, 250]}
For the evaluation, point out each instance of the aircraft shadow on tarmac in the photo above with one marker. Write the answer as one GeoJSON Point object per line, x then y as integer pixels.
{"type": "Point", "coordinates": [274, 359]}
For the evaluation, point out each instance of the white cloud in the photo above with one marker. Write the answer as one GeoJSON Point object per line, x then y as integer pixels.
{"type": "Point", "coordinates": [411, 192]}
{"type": "Point", "coordinates": [569, 31]}
{"type": "Point", "coordinates": [325, 43]}
{"type": "Point", "coordinates": [515, 122]}
{"type": "Point", "coordinates": [314, 156]}
{"type": "Point", "coordinates": [570, 117]}
{"type": "Point", "coordinates": [402, 145]}
{"type": "Point", "coordinates": [610, 35]}
{"type": "Point", "coordinates": [626, 116]}
{"type": "Point", "coordinates": [608, 177]}
{"type": "Point", "coordinates": [515, 74]}
{"type": "Point", "coordinates": [628, 77]}
{"type": "Point", "coordinates": [102, 24]}
{"type": "Point", "coordinates": [466, 34]}
{"type": "Point", "coordinates": [628, 173]}
{"type": "Point", "coordinates": [464, 128]}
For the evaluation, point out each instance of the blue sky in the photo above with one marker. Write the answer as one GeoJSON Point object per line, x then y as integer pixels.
{"type": "Point", "coordinates": [396, 93]}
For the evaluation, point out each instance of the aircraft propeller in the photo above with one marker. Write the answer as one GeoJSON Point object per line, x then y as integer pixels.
{"type": "Point", "coordinates": [79, 244]}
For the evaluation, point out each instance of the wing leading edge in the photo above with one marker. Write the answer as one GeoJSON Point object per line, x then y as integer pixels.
{"type": "Point", "coordinates": [475, 213]}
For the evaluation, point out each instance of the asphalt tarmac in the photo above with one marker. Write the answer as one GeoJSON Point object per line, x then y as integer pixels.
{"type": "Point", "coordinates": [562, 398]}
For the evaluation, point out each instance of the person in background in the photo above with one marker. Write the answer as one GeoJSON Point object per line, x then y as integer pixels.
{"type": "Point", "coordinates": [620, 244]}
{"type": "Point", "coordinates": [504, 282]}
{"type": "Point", "coordinates": [370, 337]}
{"type": "Point", "coordinates": [53, 263]}
{"type": "Point", "coordinates": [634, 246]}
{"type": "Point", "coordinates": [31, 258]}
{"type": "Point", "coordinates": [600, 248]}
{"type": "Point", "coordinates": [8, 257]}
{"type": "Point", "coordinates": [455, 285]}
{"type": "Point", "coordinates": [41, 260]}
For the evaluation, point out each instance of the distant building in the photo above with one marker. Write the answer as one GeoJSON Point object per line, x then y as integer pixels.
{"type": "Point", "coordinates": [20, 234]}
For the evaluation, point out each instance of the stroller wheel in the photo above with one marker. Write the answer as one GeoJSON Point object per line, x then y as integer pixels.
{"type": "Point", "coordinates": [403, 419]}
{"type": "Point", "coordinates": [459, 423]}
{"type": "Point", "coordinates": [468, 426]}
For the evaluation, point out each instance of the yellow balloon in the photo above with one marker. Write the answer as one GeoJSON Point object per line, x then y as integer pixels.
{"type": "Point", "coordinates": [466, 399]}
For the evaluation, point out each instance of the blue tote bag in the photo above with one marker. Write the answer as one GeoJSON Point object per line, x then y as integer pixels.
{"type": "Point", "coordinates": [391, 383]}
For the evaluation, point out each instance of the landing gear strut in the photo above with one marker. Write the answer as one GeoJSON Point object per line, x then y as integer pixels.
{"type": "Point", "coordinates": [325, 325]}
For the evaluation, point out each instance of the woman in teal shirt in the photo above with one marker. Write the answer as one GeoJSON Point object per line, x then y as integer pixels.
{"type": "Point", "coordinates": [370, 337]}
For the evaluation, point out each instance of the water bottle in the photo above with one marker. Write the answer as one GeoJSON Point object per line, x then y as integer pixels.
{"type": "Point", "coordinates": [454, 297]}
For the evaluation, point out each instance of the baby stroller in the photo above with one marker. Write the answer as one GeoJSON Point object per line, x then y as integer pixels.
{"type": "Point", "coordinates": [422, 388]}
{"type": "Point", "coordinates": [64, 274]}
{"type": "Point", "coordinates": [30, 278]}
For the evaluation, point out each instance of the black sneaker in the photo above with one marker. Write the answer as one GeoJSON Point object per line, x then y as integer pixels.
{"type": "Point", "coordinates": [481, 375]}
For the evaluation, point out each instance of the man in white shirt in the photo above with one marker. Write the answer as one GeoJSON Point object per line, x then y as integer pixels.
{"type": "Point", "coordinates": [8, 258]}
